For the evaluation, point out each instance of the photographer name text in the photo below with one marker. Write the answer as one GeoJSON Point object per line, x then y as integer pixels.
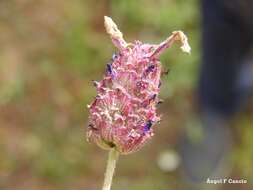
{"type": "Point", "coordinates": [226, 181]}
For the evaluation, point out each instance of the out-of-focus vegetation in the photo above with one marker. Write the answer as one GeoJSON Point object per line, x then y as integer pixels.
{"type": "Point", "coordinates": [50, 50]}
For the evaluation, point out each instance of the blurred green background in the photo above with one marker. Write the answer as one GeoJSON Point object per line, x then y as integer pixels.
{"type": "Point", "coordinates": [50, 50]}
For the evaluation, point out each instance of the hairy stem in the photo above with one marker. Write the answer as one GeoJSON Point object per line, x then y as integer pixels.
{"type": "Point", "coordinates": [111, 164]}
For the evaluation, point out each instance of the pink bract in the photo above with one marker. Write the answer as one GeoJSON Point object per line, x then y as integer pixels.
{"type": "Point", "coordinates": [124, 111]}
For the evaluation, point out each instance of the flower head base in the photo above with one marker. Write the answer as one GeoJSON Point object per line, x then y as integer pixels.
{"type": "Point", "coordinates": [123, 113]}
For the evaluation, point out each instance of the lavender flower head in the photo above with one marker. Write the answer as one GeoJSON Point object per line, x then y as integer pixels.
{"type": "Point", "coordinates": [123, 113]}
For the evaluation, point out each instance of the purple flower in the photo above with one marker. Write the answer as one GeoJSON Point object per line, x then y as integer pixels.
{"type": "Point", "coordinates": [124, 110]}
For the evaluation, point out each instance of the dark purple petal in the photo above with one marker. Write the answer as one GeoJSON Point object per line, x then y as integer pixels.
{"type": "Point", "coordinates": [147, 126]}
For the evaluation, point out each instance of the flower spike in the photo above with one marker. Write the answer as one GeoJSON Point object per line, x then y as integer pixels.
{"type": "Point", "coordinates": [125, 108]}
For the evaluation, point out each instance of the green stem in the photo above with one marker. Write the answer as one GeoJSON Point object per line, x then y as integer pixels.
{"type": "Point", "coordinates": [111, 164]}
